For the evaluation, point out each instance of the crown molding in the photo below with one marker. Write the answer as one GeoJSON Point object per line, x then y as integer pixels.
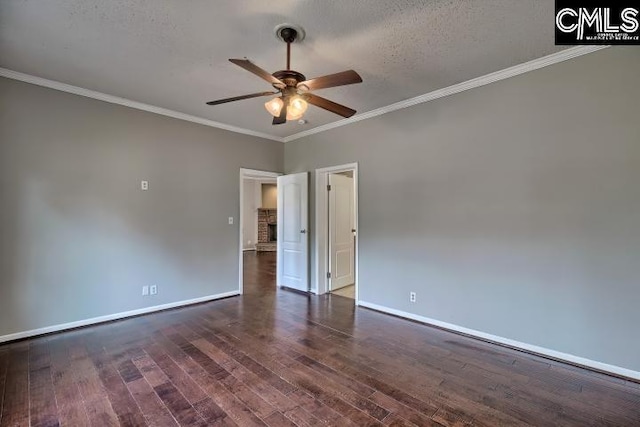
{"type": "Point", "coordinates": [516, 70]}
{"type": "Point", "coordinates": [52, 84]}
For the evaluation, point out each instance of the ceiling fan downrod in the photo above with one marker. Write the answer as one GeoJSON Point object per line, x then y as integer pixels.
{"type": "Point", "coordinates": [289, 35]}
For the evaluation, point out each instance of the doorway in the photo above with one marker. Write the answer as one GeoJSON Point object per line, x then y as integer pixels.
{"type": "Point", "coordinates": [257, 226]}
{"type": "Point", "coordinates": [336, 225]}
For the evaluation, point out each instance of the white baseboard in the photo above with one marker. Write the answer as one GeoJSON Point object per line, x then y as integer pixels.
{"type": "Point", "coordinates": [110, 317]}
{"type": "Point", "coordinates": [599, 366]}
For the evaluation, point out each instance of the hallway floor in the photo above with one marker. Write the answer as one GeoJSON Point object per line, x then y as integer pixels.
{"type": "Point", "coordinates": [347, 292]}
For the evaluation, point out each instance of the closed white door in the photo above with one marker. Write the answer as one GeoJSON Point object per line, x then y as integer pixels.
{"type": "Point", "coordinates": [341, 231]}
{"type": "Point", "coordinates": [293, 236]}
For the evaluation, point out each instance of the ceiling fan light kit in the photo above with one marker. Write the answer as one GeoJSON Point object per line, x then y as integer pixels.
{"type": "Point", "coordinates": [274, 106]}
{"type": "Point", "coordinates": [293, 88]}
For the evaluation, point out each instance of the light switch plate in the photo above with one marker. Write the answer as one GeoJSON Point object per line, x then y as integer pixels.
{"type": "Point", "coordinates": [145, 290]}
{"type": "Point", "coordinates": [230, 220]}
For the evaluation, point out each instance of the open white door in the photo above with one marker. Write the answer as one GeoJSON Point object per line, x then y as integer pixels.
{"type": "Point", "coordinates": [293, 237]}
{"type": "Point", "coordinates": [341, 229]}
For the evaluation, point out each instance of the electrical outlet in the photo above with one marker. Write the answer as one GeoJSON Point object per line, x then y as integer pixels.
{"type": "Point", "coordinates": [144, 185]}
{"type": "Point", "coordinates": [412, 296]}
{"type": "Point", "coordinates": [153, 289]}
{"type": "Point", "coordinates": [145, 290]}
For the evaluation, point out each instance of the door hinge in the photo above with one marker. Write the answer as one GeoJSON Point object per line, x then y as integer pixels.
{"type": "Point", "coordinates": [328, 275]}
{"type": "Point", "coordinates": [329, 187]}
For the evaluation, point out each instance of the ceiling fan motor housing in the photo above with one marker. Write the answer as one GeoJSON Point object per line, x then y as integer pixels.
{"type": "Point", "coordinates": [289, 77]}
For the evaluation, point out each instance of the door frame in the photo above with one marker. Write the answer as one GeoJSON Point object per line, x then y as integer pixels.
{"type": "Point", "coordinates": [247, 174]}
{"type": "Point", "coordinates": [322, 227]}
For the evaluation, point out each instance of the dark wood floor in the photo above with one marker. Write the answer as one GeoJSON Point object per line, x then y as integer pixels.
{"type": "Point", "coordinates": [282, 358]}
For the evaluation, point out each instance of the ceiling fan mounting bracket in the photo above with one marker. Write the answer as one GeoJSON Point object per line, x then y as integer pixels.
{"type": "Point", "coordinates": [289, 33]}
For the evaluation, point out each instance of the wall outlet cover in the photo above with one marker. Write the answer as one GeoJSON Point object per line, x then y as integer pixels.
{"type": "Point", "coordinates": [153, 289]}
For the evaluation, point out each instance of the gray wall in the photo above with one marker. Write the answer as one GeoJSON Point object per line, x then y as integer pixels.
{"type": "Point", "coordinates": [78, 238]}
{"type": "Point", "coordinates": [512, 209]}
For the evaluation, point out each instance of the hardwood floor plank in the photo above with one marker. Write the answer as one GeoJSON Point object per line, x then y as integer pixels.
{"type": "Point", "coordinates": [212, 413]}
{"type": "Point", "coordinates": [4, 365]}
{"type": "Point", "coordinates": [43, 408]}
{"type": "Point", "coordinates": [282, 356]}
{"type": "Point", "coordinates": [15, 410]}
{"type": "Point", "coordinates": [181, 410]}
{"type": "Point", "coordinates": [128, 371]}
{"type": "Point", "coordinates": [122, 401]}
{"type": "Point", "coordinates": [405, 412]}
{"type": "Point", "coordinates": [150, 371]}
{"type": "Point", "coordinates": [364, 365]}
{"type": "Point", "coordinates": [313, 406]}
{"type": "Point", "coordinates": [394, 420]}
{"type": "Point", "coordinates": [150, 404]}
{"type": "Point", "coordinates": [332, 395]}
{"type": "Point", "coordinates": [185, 384]}
{"type": "Point", "coordinates": [94, 396]}
{"type": "Point", "coordinates": [71, 410]}
{"type": "Point", "coordinates": [289, 407]}
{"type": "Point", "coordinates": [276, 419]}
{"type": "Point", "coordinates": [279, 358]}
{"type": "Point", "coordinates": [42, 401]}
{"type": "Point", "coordinates": [255, 402]}
{"type": "Point", "coordinates": [205, 375]}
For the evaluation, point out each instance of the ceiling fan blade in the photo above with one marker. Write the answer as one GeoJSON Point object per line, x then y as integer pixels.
{"type": "Point", "coordinates": [282, 118]}
{"type": "Point", "coordinates": [348, 77]}
{"type": "Point", "coordinates": [263, 74]}
{"type": "Point", "coordinates": [238, 98]}
{"type": "Point", "coordinates": [336, 108]}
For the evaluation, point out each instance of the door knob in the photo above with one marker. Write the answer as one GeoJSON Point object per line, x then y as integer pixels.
{"type": "Point", "coordinates": [303, 231]}
{"type": "Point", "coordinates": [353, 230]}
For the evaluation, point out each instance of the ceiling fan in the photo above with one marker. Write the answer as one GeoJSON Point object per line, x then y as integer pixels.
{"type": "Point", "coordinates": [293, 88]}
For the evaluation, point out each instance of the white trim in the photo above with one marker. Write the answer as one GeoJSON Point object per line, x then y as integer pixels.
{"type": "Point", "coordinates": [516, 70]}
{"type": "Point", "coordinates": [321, 230]}
{"type": "Point", "coordinates": [265, 176]}
{"type": "Point", "coordinates": [258, 176]}
{"type": "Point", "coordinates": [605, 367]}
{"type": "Point", "coordinates": [110, 317]}
{"type": "Point", "coordinates": [52, 84]}
{"type": "Point", "coordinates": [506, 73]}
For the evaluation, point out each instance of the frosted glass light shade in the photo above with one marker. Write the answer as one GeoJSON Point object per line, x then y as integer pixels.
{"type": "Point", "coordinates": [274, 106]}
{"type": "Point", "coordinates": [297, 107]}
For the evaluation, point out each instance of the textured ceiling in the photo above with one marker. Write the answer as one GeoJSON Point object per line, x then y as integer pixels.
{"type": "Point", "coordinates": [173, 53]}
